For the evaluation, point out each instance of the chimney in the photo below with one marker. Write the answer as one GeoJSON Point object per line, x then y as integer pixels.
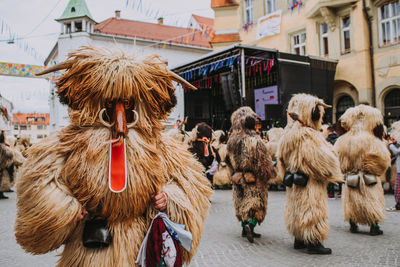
{"type": "Point", "coordinates": [118, 14]}
{"type": "Point", "coordinates": [160, 20]}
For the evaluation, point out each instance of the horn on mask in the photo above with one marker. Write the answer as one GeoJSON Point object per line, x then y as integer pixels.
{"type": "Point", "coordinates": [60, 66]}
{"type": "Point", "coordinates": [180, 80]}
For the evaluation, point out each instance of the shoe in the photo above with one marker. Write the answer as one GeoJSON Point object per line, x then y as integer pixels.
{"type": "Point", "coordinates": [394, 208]}
{"type": "Point", "coordinates": [249, 234]}
{"type": "Point", "coordinates": [318, 249]}
{"type": "Point", "coordinates": [374, 230]}
{"type": "Point", "coordinates": [243, 232]}
{"type": "Point", "coordinates": [299, 244]}
{"type": "Point", "coordinates": [353, 227]}
{"type": "Point", "coordinates": [2, 196]}
{"type": "Point", "coordinates": [256, 235]}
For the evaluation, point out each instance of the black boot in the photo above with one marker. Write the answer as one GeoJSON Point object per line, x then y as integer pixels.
{"type": "Point", "coordinates": [252, 231]}
{"type": "Point", "coordinates": [2, 196]}
{"type": "Point", "coordinates": [374, 230]}
{"type": "Point", "coordinates": [243, 232]}
{"type": "Point", "coordinates": [318, 249]}
{"type": "Point", "coordinates": [299, 244]}
{"type": "Point", "coordinates": [249, 233]}
{"type": "Point", "coordinates": [353, 227]}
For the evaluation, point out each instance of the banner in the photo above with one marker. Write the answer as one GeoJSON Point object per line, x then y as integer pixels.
{"type": "Point", "coordinates": [26, 70]}
{"type": "Point", "coordinates": [269, 24]}
{"type": "Point", "coordinates": [265, 96]}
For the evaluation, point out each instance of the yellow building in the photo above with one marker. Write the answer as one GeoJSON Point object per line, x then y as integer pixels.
{"type": "Point", "coordinates": [335, 29]}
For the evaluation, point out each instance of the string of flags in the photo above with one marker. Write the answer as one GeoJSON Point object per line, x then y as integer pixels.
{"type": "Point", "coordinates": [7, 32]}
{"type": "Point", "coordinates": [295, 3]}
{"type": "Point", "coordinates": [206, 75]}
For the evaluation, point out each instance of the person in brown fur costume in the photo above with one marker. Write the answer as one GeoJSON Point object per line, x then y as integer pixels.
{"type": "Point", "coordinates": [114, 100]}
{"type": "Point", "coordinates": [9, 160]}
{"type": "Point", "coordinates": [252, 166]}
{"type": "Point", "coordinates": [364, 159]}
{"type": "Point", "coordinates": [201, 145]}
{"type": "Point", "coordinates": [222, 178]}
{"type": "Point", "coordinates": [23, 144]}
{"type": "Point", "coordinates": [307, 163]}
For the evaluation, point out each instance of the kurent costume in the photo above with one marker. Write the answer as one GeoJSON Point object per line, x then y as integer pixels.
{"type": "Point", "coordinates": [364, 159]}
{"type": "Point", "coordinates": [10, 159]}
{"type": "Point", "coordinates": [307, 163]}
{"type": "Point", "coordinates": [111, 160]}
{"type": "Point", "coordinates": [222, 178]}
{"type": "Point", "coordinates": [252, 166]}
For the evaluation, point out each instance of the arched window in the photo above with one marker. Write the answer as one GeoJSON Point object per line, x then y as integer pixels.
{"type": "Point", "coordinates": [392, 106]}
{"type": "Point", "coordinates": [343, 103]}
{"type": "Point", "coordinates": [392, 99]}
{"type": "Point", "coordinates": [73, 9]}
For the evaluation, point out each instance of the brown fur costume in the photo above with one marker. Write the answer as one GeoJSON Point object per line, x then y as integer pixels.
{"type": "Point", "coordinates": [359, 150]}
{"type": "Point", "coordinates": [69, 170]}
{"type": "Point", "coordinates": [247, 153]}
{"type": "Point", "coordinates": [303, 148]}
{"type": "Point", "coordinates": [202, 130]}
{"type": "Point", "coordinates": [223, 176]}
{"type": "Point", "coordinates": [274, 135]}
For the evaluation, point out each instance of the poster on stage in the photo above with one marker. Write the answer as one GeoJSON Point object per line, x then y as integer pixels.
{"type": "Point", "coordinates": [265, 96]}
{"type": "Point", "coordinates": [269, 24]}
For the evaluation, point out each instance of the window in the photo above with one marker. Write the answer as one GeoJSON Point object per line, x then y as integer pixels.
{"type": "Point", "coordinates": [40, 127]}
{"type": "Point", "coordinates": [78, 26]}
{"type": "Point", "coordinates": [389, 23]}
{"type": "Point", "coordinates": [345, 31]}
{"type": "Point", "coordinates": [39, 136]}
{"type": "Point", "coordinates": [248, 11]}
{"type": "Point", "coordinates": [23, 127]}
{"type": "Point", "coordinates": [323, 31]}
{"type": "Point", "coordinates": [299, 43]}
{"type": "Point", "coordinates": [343, 104]}
{"type": "Point", "coordinates": [270, 6]}
{"type": "Point", "coordinates": [15, 126]}
{"type": "Point", "coordinates": [72, 9]}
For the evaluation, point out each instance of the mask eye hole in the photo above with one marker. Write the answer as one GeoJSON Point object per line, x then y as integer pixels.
{"type": "Point", "coordinates": [127, 103]}
{"type": "Point", "coordinates": [109, 103]}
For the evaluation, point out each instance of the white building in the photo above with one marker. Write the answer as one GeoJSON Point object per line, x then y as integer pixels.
{"type": "Point", "coordinates": [32, 125]}
{"type": "Point", "coordinates": [78, 28]}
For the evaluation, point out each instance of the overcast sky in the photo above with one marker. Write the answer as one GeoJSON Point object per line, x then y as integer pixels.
{"type": "Point", "coordinates": [33, 21]}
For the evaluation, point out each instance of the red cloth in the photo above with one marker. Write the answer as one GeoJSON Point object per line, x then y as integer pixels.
{"type": "Point", "coordinates": [155, 245]}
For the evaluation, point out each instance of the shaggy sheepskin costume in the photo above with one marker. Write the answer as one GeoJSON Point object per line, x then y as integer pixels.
{"type": "Point", "coordinates": [303, 150]}
{"type": "Point", "coordinates": [222, 178]}
{"type": "Point", "coordinates": [361, 152]}
{"type": "Point", "coordinates": [69, 170]}
{"type": "Point", "coordinates": [10, 160]}
{"type": "Point", "coordinates": [201, 144]}
{"type": "Point", "coordinates": [253, 168]}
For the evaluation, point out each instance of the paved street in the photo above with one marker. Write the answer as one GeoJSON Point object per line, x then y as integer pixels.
{"type": "Point", "coordinates": [222, 244]}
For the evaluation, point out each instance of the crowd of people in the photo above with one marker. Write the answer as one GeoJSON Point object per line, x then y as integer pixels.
{"type": "Point", "coordinates": [311, 159]}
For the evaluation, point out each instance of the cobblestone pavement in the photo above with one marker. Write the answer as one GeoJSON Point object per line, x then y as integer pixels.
{"type": "Point", "coordinates": [222, 244]}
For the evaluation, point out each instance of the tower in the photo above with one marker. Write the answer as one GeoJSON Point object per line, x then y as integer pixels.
{"type": "Point", "coordinates": [76, 18]}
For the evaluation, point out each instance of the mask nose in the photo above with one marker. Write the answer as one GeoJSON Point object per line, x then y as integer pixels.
{"type": "Point", "coordinates": [120, 128]}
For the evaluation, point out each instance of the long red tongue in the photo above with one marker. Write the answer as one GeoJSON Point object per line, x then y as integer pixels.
{"type": "Point", "coordinates": [117, 179]}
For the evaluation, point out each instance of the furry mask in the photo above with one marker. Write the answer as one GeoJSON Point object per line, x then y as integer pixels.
{"type": "Point", "coordinates": [116, 89]}
{"type": "Point", "coordinates": [244, 118]}
{"type": "Point", "coordinates": [363, 117]}
{"type": "Point", "coordinates": [306, 109]}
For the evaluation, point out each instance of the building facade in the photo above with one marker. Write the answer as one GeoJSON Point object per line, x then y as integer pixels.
{"type": "Point", "coordinates": [32, 125]}
{"type": "Point", "coordinates": [363, 35]}
{"type": "Point", "coordinates": [175, 45]}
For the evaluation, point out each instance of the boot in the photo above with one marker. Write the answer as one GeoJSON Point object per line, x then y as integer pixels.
{"type": "Point", "coordinates": [353, 227]}
{"type": "Point", "coordinates": [243, 232]}
{"type": "Point", "coordinates": [252, 231]}
{"type": "Point", "coordinates": [374, 230]}
{"type": "Point", "coordinates": [249, 233]}
{"type": "Point", "coordinates": [299, 244]}
{"type": "Point", "coordinates": [2, 196]}
{"type": "Point", "coordinates": [318, 249]}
